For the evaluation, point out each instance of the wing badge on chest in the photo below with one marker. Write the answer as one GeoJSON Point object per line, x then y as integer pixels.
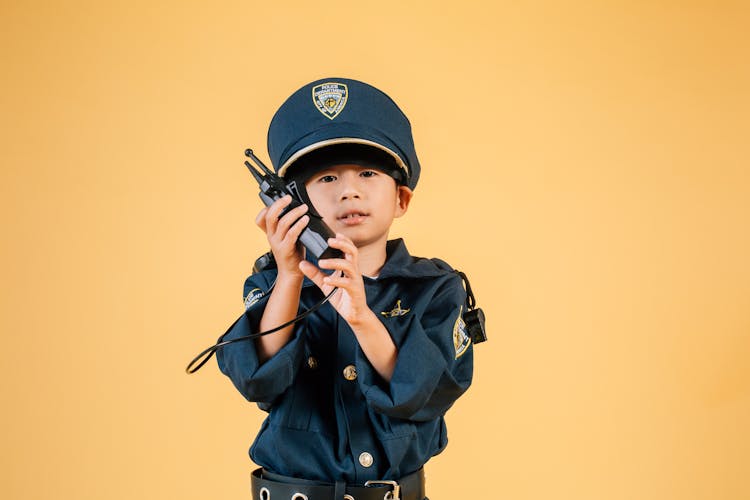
{"type": "Point", "coordinates": [396, 311]}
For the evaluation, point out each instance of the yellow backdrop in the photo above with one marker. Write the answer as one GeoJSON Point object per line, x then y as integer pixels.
{"type": "Point", "coordinates": [586, 165]}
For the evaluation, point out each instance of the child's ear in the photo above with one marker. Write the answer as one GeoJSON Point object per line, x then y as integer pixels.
{"type": "Point", "coordinates": [403, 197]}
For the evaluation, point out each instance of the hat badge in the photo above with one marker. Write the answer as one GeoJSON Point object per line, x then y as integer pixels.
{"type": "Point", "coordinates": [330, 98]}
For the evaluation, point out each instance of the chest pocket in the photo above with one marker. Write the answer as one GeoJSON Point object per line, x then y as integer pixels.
{"type": "Point", "coordinates": [308, 404]}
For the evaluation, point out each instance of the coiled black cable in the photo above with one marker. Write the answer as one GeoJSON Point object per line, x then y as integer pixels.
{"type": "Point", "coordinates": [221, 343]}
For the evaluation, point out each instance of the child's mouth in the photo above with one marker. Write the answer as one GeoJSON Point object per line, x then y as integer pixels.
{"type": "Point", "coordinates": [352, 218]}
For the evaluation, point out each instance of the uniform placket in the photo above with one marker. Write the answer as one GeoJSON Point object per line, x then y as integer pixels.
{"type": "Point", "coordinates": [363, 448]}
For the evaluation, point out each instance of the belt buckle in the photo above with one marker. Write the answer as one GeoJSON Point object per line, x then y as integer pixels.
{"type": "Point", "coordinates": [395, 494]}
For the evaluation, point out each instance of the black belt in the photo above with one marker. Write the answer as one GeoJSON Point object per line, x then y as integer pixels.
{"type": "Point", "coordinates": [269, 486]}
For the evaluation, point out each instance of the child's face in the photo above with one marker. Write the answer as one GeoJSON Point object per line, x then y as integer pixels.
{"type": "Point", "coordinates": [357, 201]}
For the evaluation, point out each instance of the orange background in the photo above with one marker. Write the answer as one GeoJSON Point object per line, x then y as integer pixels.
{"type": "Point", "coordinates": [585, 163]}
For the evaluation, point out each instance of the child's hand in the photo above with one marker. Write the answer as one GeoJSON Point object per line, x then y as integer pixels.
{"type": "Point", "coordinates": [350, 301]}
{"type": "Point", "coordinates": [282, 234]}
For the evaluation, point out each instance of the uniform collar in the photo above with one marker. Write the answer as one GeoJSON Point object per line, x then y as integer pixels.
{"type": "Point", "coordinates": [400, 264]}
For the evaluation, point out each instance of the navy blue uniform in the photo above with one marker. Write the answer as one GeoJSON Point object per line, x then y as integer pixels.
{"type": "Point", "coordinates": [331, 416]}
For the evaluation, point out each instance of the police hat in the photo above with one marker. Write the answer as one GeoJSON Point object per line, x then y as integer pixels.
{"type": "Point", "coordinates": [339, 111]}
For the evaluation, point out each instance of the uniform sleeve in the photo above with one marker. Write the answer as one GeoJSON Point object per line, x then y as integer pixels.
{"type": "Point", "coordinates": [435, 360]}
{"type": "Point", "coordinates": [262, 383]}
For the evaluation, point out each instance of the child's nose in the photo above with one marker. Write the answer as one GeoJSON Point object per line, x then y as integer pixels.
{"type": "Point", "coordinates": [350, 187]}
{"type": "Point", "coordinates": [349, 194]}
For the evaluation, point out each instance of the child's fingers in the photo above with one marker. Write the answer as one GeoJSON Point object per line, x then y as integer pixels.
{"type": "Point", "coordinates": [338, 281]}
{"type": "Point", "coordinates": [346, 266]}
{"type": "Point", "coordinates": [273, 212]}
{"type": "Point", "coordinates": [346, 245]}
{"type": "Point", "coordinates": [290, 218]}
{"type": "Point", "coordinates": [343, 243]}
{"type": "Point", "coordinates": [260, 219]}
{"type": "Point", "coordinates": [313, 273]}
{"type": "Point", "coordinates": [323, 281]}
{"type": "Point", "coordinates": [293, 233]}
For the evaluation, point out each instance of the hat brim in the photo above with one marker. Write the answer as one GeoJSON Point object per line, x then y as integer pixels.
{"type": "Point", "coordinates": [323, 138]}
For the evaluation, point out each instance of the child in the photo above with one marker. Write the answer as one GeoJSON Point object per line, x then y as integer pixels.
{"type": "Point", "coordinates": [356, 392]}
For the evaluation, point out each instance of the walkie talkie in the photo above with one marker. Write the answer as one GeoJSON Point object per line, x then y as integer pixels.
{"type": "Point", "coordinates": [315, 236]}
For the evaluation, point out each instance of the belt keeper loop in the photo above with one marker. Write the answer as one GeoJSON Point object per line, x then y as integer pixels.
{"type": "Point", "coordinates": [339, 488]}
{"type": "Point", "coordinates": [395, 494]}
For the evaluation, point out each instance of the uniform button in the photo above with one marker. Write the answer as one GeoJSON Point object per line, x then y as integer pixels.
{"type": "Point", "coordinates": [350, 372]}
{"type": "Point", "coordinates": [365, 459]}
{"type": "Point", "coordinates": [312, 362]}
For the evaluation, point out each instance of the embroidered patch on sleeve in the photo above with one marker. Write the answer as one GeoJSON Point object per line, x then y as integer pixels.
{"type": "Point", "coordinates": [461, 339]}
{"type": "Point", "coordinates": [253, 297]}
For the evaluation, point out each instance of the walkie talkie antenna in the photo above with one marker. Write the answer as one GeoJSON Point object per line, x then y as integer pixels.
{"type": "Point", "coordinates": [256, 160]}
{"type": "Point", "coordinates": [256, 174]}
{"type": "Point", "coordinates": [253, 170]}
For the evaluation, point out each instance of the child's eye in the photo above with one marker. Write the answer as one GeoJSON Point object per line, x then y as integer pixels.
{"type": "Point", "coordinates": [327, 178]}
{"type": "Point", "coordinates": [368, 173]}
